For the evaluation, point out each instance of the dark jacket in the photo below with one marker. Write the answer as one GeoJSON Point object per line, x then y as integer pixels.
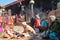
{"type": "Point", "coordinates": [55, 26]}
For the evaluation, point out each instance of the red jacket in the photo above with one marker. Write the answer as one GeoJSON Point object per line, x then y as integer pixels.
{"type": "Point", "coordinates": [37, 23]}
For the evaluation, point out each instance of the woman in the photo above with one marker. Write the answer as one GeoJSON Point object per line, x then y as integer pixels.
{"type": "Point", "coordinates": [1, 29]}
{"type": "Point", "coordinates": [8, 32]}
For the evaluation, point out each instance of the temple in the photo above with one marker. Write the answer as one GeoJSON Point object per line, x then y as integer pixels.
{"type": "Point", "coordinates": [39, 5]}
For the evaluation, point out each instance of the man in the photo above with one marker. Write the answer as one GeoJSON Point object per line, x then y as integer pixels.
{"type": "Point", "coordinates": [37, 23]}
{"type": "Point", "coordinates": [54, 29]}
{"type": "Point", "coordinates": [44, 25]}
{"type": "Point", "coordinates": [32, 22]}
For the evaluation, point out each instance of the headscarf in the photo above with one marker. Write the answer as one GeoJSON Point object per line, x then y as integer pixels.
{"type": "Point", "coordinates": [53, 17]}
{"type": "Point", "coordinates": [37, 16]}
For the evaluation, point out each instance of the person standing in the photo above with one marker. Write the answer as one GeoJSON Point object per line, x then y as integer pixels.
{"type": "Point", "coordinates": [1, 21]}
{"type": "Point", "coordinates": [37, 22]}
{"type": "Point", "coordinates": [32, 22]}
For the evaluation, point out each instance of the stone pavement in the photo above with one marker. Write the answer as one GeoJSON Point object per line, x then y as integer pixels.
{"type": "Point", "coordinates": [36, 37]}
{"type": "Point", "coordinates": [26, 38]}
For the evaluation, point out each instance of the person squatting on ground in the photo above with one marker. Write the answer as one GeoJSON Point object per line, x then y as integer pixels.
{"type": "Point", "coordinates": [54, 30]}
{"type": "Point", "coordinates": [25, 30]}
{"type": "Point", "coordinates": [44, 24]}
{"type": "Point", "coordinates": [28, 28]}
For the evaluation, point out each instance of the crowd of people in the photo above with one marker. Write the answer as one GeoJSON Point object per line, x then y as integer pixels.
{"type": "Point", "coordinates": [14, 27]}
{"type": "Point", "coordinates": [49, 24]}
